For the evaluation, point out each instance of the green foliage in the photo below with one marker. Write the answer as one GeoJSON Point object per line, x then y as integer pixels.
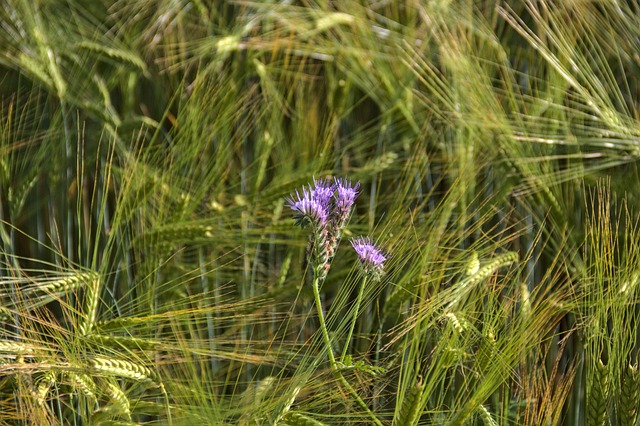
{"type": "Point", "coordinates": [150, 272]}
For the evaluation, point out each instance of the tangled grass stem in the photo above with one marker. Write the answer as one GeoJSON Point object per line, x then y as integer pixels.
{"type": "Point", "coordinates": [332, 360]}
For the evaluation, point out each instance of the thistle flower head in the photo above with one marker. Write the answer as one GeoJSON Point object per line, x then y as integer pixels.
{"type": "Point", "coordinates": [371, 257]}
{"type": "Point", "coordinates": [326, 205]}
{"type": "Point", "coordinates": [322, 192]}
{"type": "Point", "coordinates": [308, 209]}
{"type": "Point", "coordinates": [346, 195]}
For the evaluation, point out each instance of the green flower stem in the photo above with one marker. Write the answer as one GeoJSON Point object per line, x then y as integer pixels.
{"type": "Point", "coordinates": [323, 326]}
{"type": "Point", "coordinates": [355, 317]}
{"type": "Point", "coordinates": [332, 359]}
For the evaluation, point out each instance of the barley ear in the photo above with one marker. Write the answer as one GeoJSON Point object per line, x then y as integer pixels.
{"type": "Point", "coordinates": [380, 163]}
{"type": "Point", "coordinates": [66, 284]}
{"type": "Point", "coordinates": [167, 236]}
{"type": "Point", "coordinates": [409, 413]}
{"type": "Point", "coordinates": [486, 416]}
{"type": "Point", "coordinates": [598, 395]}
{"type": "Point", "coordinates": [124, 369]}
{"type": "Point", "coordinates": [44, 385]}
{"type": "Point", "coordinates": [297, 419]}
{"type": "Point", "coordinates": [284, 409]}
{"type": "Point", "coordinates": [119, 401]}
{"type": "Point", "coordinates": [83, 383]}
{"type": "Point", "coordinates": [491, 267]}
{"type": "Point", "coordinates": [629, 397]}
{"type": "Point", "coordinates": [91, 298]}
{"type": "Point", "coordinates": [473, 264]}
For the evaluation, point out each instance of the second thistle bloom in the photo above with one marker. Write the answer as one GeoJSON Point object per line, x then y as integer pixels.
{"type": "Point", "coordinates": [371, 257]}
{"type": "Point", "coordinates": [346, 195]}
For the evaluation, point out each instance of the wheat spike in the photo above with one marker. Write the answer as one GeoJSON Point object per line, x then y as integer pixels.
{"type": "Point", "coordinates": [284, 410]}
{"type": "Point", "coordinates": [486, 416]}
{"type": "Point", "coordinates": [113, 52]}
{"type": "Point", "coordinates": [380, 163]}
{"type": "Point", "coordinates": [119, 399]}
{"type": "Point", "coordinates": [5, 314]}
{"type": "Point", "coordinates": [13, 350]}
{"type": "Point", "coordinates": [297, 419]}
{"type": "Point", "coordinates": [501, 261]}
{"type": "Point", "coordinates": [92, 296]}
{"type": "Point", "coordinates": [410, 411]}
{"type": "Point", "coordinates": [473, 264]}
{"type": "Point", "coordinates": [65, 285]}
{"type": "Point", "coordinates": [43, 386]}
{"type": "Point", "coordinates": [125, 341]}
{"type": "Point", "coordinates": [459, 324]}
{"type": "Point", "coordinates": [629, 397]}
{"type": "Point", "coordinates": [597, 396]}
{"type": "Point", "coordinates": [84, 383]}
{"type": "Point", "coordinates": [525, 300]}
{"type": "Point", "coordinates": [482, 273]}
{"type": "Point", "coordinates": [172, 234]}
{"type": "Point", "coordinates": [121, 368]}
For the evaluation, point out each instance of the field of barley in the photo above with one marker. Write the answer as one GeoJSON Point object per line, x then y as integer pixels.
{"type": "Point", "coordinates": [314, 212]}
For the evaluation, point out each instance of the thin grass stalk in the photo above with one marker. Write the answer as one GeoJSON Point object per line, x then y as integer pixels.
{"type": "Point", "coordinates": [245, 161]}
{"type": "Point", "coordinates": [69, 160]}
{"type": "Point", "coordinates": [374, 181]}
{"type": "Point", "coordinates": [355, 316]}
{"type": "Point", "coordinates": [211, 333]}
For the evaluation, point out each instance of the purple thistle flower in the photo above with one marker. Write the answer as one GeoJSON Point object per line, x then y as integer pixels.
{"type": "Point", "coordinates": [308, 209]}
{"type": "Point", "coordinates": [346, 195]}
{"type": "Point", "coordinates": [327, 206]}
{"type": "Point", "coordinates": [322, 192]}
{"type": "Point", "coordinates": [371, 257]}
